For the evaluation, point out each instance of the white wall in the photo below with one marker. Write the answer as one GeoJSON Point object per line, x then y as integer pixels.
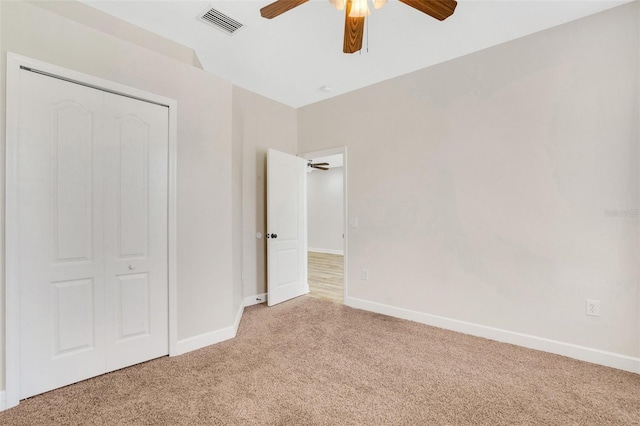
{"type": "Point", "coordinates": [205, 290]}
{"type": "Point", "coordinates": [259, 123]}
{"type": "Point", "coordinates": [324, 210]}
{"type": "Point", "coordinates": [481, 184]}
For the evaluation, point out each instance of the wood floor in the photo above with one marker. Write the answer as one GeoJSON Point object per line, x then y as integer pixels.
{"type": "Point", "coordinates": [326, 276]}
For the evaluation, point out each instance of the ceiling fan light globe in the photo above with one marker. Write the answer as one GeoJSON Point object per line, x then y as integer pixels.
{"type": "Point", "coordinates": [359, 9]}
{"type": "Point", "coordinates": [377, 4]}
{"type": "Point", "coordinates": [338, 4]}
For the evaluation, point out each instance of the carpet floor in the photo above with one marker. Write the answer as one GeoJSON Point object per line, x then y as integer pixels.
{"type": "Point", "coordinates": [313, 362]}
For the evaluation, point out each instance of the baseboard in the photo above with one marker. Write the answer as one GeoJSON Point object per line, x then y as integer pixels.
{"type": "Point", "coordinates": [255, 300]}
{"type": "Point", "coordinates": [327, 251]}
{"type": "Point", "coordinates": [583, 353]}
{"type": "Point", "coordinates": [206, 339]}
{"type": "Point", "coordinates": [236, 324]}
{"type": "Point", "coordinates": [7, 404]}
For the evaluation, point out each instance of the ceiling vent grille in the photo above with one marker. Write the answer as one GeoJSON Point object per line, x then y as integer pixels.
{"type": "Point", "coordinates": [220, 21]}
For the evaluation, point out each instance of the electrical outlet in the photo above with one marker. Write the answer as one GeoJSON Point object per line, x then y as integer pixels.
{"type": "Point", "coordinates": [593, 308]}
{"type": "Point", "coordinates": [364, 274]}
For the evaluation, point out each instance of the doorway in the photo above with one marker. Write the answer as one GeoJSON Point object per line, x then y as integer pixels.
{"type": "Point", "coordinates": [326, 219]}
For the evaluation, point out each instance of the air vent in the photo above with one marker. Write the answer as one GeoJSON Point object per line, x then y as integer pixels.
{"type": "Point", "coordinates": [220, 21]}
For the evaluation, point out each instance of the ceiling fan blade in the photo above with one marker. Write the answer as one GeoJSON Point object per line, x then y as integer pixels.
{"type": "Point", "coordinates": [279, 7]}
{"type": "Point", "coordinates": [353, 31]}
{"type": "Point", "coordinates": [439, 9]}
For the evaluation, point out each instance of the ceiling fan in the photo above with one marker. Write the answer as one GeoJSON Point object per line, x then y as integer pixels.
{"type": "Point", "coordinates": [357, 10]}
{"type": "Point", "coordinates": [319, 166]}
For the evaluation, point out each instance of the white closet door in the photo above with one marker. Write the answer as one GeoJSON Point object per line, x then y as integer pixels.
{"type": "Point", "coordinates": [61, 269]}
{"type": "Point", "coordinates": [135, 231]}
{"type": "Point", "coordinates": [92, 197]}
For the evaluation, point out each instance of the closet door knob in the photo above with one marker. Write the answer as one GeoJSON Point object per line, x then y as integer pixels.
{"type": "Point", "coordinates": [132, 267]}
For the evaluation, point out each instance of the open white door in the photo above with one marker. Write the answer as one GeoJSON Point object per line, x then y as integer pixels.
{"type": "Point", "coordinates": [286, 227]}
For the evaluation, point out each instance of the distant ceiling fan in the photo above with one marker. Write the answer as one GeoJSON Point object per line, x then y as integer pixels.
{"type": "Point", "coordinates": [357, 10]}
{"type": "Point", "coordinates": [319, 166]}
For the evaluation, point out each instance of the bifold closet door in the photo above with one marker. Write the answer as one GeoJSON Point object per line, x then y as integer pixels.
{"type": "Point", "coordinates": [135, 231]}
{"type": "Point", "coordinates": [92, 206]}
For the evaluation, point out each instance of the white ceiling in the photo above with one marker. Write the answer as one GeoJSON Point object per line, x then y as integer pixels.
{"type": "Point", "coordinates": [291, 57]}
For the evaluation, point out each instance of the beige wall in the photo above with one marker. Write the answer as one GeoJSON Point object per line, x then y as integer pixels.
{"type": "Point", "coordinates": [481, 184]}
{"type": "Point", "coordinates": [91, 17]}
{"type": "Point", "coordinates": [236, 212]}
{"type": "Point", "coordinates": [325, 212]}
{"type": "Point", "coordinates": [258, 124]}
{"type": "Point", "coordinates": [205, 290]}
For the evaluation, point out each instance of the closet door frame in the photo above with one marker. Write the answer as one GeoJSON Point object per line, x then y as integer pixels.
{"type": "Point", "coordinates": [15, 65]}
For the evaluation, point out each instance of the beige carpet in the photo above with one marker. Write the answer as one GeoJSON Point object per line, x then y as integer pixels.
{"type": "Point", "coordinates": [312, 362]}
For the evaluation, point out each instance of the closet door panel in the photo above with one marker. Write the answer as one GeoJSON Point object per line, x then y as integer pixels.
{"type": "Point", "coordinates": [61, 270]}
{"type": "Point", "coordinates": [136, 230]}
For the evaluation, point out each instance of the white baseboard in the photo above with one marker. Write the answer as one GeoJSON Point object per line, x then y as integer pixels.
{"type": "Point", "coordinates": [255, 300]}
{"type": "Point", "coordinates": [207, 339]}
{"type": "Point", "coordinates": [583, 353]}
{"type": "Point", "coordinates": [236, 324]}
{"type": "Point", "coordinates": [204, 340]}
{"type": "Point", "coordinates": [327, 251]}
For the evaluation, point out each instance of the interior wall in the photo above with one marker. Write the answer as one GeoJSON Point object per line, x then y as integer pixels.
{"type": "Point", "coordinates": [324, 210]}
{"type": "Point", "coordinates": [204, 147]}
{"type": "Point", "coordinates": [236, 212]}
{"type": "Point", "coordinates": [259, 123]}
{"type": "Point", "coordinates": [118, 28]}
{"type": "Point", "coordinates": [487, 187]}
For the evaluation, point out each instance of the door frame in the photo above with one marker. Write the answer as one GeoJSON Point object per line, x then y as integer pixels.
{"type": "Point", "coordinates": [10, 255]}
{"type": "Point", "coordinates": [324, 153]}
